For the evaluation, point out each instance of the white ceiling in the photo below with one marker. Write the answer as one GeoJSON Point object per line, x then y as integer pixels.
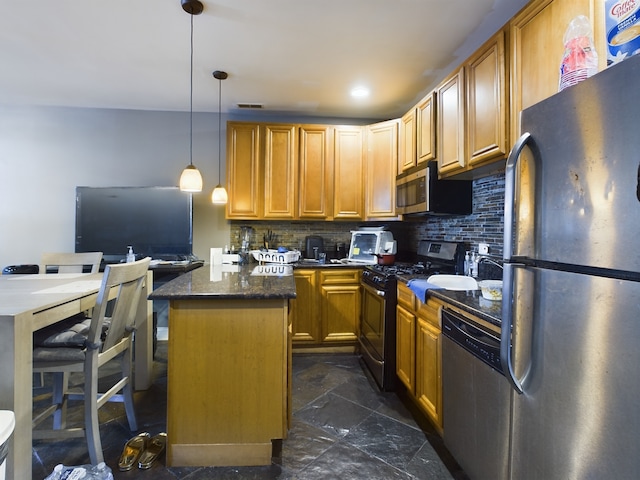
{"type": "Point", "coordinates": [296, 57]}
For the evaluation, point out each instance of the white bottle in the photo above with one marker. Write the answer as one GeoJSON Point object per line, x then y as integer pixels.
{"type": "Point", "coordinates": [467, 264]}
{"type": "Point", "coordinates": [131, 257]}
{"type": "Point", "coordinates": [474, 264]}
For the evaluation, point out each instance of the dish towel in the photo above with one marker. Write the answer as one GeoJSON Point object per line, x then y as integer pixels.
{"type": "Point", "coordinates": [421, 287]}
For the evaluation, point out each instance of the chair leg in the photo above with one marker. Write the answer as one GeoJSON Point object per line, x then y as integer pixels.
{"type": "Point", "coordinates": [59, 398]}
{"type": "Point", "coordinates": [127, 391]}
{"type": "Point", "coordinates": [92, 426]}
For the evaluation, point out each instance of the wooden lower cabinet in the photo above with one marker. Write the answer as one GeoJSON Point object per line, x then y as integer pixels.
{"type": "Point", "coordinates": [419, 352]}
{"type": "Point", "coordinates": [406, 347]}
{"type": "Point", "coordinates": [304, 308]}
{"type": "Point", "coordinates": [326, 310]}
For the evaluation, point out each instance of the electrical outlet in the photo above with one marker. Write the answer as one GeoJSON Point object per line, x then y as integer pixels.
{"type": "Point", "coordinates": [483, 248]}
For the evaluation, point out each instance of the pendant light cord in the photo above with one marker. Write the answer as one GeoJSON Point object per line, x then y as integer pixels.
{"type": "Point", "coordinates": [191, 100]}
{"type": "Point", "coordinates": [219, 128]}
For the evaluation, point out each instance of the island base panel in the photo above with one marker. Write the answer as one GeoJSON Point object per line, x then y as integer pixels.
{"type": "Point", "coordinates": [220, 455]}
{"type": "Point", "coordinates": [227, 381]}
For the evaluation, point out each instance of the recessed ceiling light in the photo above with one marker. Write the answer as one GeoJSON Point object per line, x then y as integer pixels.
{"type": "Point", "coordinates": [359, 92]}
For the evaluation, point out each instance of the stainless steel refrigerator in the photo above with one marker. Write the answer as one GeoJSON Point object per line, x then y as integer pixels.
{"type": "Point", "coordinates": [570, 343]}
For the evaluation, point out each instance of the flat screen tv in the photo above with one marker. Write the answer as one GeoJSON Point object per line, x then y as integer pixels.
{"type": "Point", "coordinates": [156, 221]}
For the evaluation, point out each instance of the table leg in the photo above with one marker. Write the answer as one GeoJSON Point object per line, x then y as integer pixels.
{"type": "Point", "coordinates": [16, 351]}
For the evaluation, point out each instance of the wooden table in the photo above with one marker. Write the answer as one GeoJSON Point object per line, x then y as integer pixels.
{"type": "Point", "coordinates": [31, 302]}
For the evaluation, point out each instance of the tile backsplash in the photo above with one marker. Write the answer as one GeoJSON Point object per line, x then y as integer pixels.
{"type": "Point", "coordinates": [484, 225]}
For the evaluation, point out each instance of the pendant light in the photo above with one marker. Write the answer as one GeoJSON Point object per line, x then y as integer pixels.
{"type": "Point", "coordinates": [191, 179]}
{"type": "Point", "coordinates": [219, 195]}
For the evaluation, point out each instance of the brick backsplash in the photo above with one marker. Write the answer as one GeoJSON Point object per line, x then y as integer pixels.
{"type": "Point", "coordinates": [484, 225]}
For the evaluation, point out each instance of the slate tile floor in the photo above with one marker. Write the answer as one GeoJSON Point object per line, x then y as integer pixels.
{"type": "Point", "coordinates": [343, 428]}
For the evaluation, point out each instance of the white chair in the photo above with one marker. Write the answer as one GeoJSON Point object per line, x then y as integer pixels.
{"type": "Point", "coordinates": [70, 262]}
{"type": "Point", "coordinates": [86, 347]}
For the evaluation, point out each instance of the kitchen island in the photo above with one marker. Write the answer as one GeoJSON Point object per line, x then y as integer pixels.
{"type": "Point", "coordinates": [229, 364]}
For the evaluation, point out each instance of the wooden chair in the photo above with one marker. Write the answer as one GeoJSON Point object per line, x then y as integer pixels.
{"type": "Point", "coordinates": [70, 262]}
{"type": "Point", "coordinates": [86, 347]}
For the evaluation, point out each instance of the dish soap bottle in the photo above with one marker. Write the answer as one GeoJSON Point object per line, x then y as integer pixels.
{"type": "Point", "coordinates": [131, 257]}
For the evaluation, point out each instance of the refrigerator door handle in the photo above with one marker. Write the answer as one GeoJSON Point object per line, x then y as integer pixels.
{"type": "Point", "coordinates": [509, 194]}
{"type": "Point", "coordinates": [506, 340]}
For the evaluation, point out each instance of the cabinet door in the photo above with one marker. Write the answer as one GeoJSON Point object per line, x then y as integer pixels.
{"type": "Point", "coordinates": [426, 129]}
{"type": "Point", "coordinates": [451, 156]}
{"type": "Point", "coordinates": [380, 169]}
{"type": "Point", "coordinates": [487, 102]}
{"type": "Point", "coordinates": [407, 149]}
{"type": "Point", "coordinates": [429, 370]}
{"type": "Point", "coordinates": [348, 173]}
{"type": "Point", "coordinates": [536, 49]}
{"type": "Point", "coordinates": [243, 170]}
{"type": "Point", "coordinates": [315, 165]}
{"type": "Point", "coordinates": [405, 347]}
{"type": "Point", "coordinates": [305, 319]}
{"type": "Point", "coordinates": [340, 305]}
{"type": "Point", "coordinates": [280, 171]}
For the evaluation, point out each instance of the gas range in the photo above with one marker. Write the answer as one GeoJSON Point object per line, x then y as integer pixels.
{"type": "Point", "coordinates": [379, 298]}
{"type": "Point", "coordinates": [433, 257]}
{"type": "Point", "coordinates": [381, 276]}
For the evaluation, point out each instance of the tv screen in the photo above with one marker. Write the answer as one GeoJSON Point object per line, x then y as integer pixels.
{"type": "Point", "coordinates": [156, 221]}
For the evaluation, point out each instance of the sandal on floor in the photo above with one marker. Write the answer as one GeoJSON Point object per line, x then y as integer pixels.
{"type": "Point", "coordinates": [132, 451]}
{"type": "Point", "coordinates": [155, 447]}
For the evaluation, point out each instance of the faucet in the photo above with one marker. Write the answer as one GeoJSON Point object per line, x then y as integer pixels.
{"type": "Point", "coordinates": [489, 260]}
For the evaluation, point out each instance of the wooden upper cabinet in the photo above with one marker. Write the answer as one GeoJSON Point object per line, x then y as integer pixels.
{"type": "Point", "coordinates": [487, 108]}
{"type": "Point", "coordinates": [315, 172]}
{"type": "Point", "coordinates": [426, 129]}
{"type": "Point", "coordinates": [536, 49]}
{"type": "Point", "coordinates": [243, 170]}
{"type": "Point", "coordinates": [407, 147]}
{"type": "Point", "coordinates": [348, 178]}
{"type": "Point", "coordinates": [280, 171]}
{"type": "Point", "coordinates": [451, 123]}
{"type": "Point", "coordinates": [380, 169]}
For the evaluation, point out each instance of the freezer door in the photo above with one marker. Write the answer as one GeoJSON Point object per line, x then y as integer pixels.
{"type": "Point", "coordinates": [575, 353]}
{"type": "Point", "coordinates": [577, 190]}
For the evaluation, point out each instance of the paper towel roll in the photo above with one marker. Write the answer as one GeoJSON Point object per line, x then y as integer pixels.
{"type": "Point", "coordinates": [216, 256]}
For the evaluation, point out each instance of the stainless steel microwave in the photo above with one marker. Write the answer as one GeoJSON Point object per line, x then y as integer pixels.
{"type": "Point", "coordinates": [419, 191]}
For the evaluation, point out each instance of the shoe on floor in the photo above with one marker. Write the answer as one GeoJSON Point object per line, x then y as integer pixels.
{"type": "Point", "coordinates": [132, 451]}
{"type": "Point", "coordinates": [155, 448]}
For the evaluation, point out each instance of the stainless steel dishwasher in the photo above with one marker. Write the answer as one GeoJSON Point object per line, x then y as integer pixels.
{"type": "Point", "coordinates": [475, 396]}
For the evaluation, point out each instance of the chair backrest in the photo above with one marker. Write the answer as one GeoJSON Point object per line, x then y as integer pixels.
{"type": "Point", "coordinates": [128, 278]}
{"type": "Point", "coordinates": [71, 262]}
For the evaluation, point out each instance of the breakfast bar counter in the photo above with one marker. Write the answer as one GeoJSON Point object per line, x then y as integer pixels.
{"type": "Point", "coordinates": [229, 364]}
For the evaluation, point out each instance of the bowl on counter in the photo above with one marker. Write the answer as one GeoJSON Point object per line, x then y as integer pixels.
{"type": "Point", "coordinates": [491, 289]}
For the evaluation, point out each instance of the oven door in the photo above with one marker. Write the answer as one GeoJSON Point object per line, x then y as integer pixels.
{"type": "Point", "coordinates": [374, 332]}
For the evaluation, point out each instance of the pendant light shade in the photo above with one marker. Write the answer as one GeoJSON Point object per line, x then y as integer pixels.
{"type": "Point", "coordinates": [219, 195]}
{"type": "Point", "coordinates": [191, 179]}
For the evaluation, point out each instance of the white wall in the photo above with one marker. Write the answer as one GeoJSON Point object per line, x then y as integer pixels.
{"type": "Point", "coordinates": [46, 152]}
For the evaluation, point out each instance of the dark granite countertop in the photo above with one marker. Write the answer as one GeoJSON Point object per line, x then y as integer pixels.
{"type": "Point", "coordinates": [470, 301]}
{"type": "Point", "coordinates": [252, 281]}
{"type": "Point", "coordinates": [306, 263]}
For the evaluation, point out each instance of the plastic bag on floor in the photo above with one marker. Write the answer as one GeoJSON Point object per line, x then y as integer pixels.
{"type": "Point", "coordinates": [84, 472]}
